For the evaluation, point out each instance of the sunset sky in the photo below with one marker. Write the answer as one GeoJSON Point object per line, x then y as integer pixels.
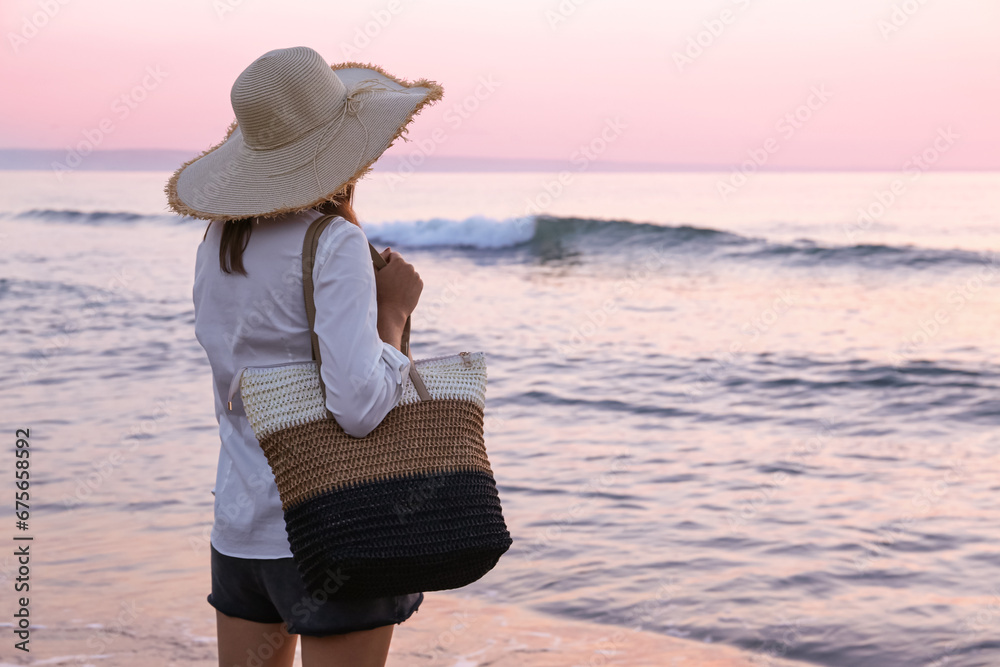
{"type": "Point", "coordinates": [846, 84]}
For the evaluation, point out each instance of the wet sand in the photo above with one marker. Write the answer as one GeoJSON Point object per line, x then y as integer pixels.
{"type": "Point", "coordinates": [453, 631]}
{"type": "Point", "coordinates": [449, 630]}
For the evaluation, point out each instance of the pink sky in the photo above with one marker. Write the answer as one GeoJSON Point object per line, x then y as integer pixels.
{"type": "Point", "coordinates": [894, 73]}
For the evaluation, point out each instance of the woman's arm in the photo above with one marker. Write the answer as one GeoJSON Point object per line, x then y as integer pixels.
{"type": "Point", "coordinates": [363, 374]}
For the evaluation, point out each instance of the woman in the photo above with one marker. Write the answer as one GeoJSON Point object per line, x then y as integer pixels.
{"type": "Point", "coordinates": [305, 133]}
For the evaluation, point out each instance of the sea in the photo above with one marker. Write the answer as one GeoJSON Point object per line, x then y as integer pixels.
{"type": "Point", "coordinates": [764, 416]}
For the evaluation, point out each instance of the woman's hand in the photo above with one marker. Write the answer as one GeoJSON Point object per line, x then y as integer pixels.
{"type": "Point", "coordinates": [398, 288]}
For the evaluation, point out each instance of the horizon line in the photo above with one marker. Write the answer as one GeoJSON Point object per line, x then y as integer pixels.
{"type": "Point", "coordinates": [167, 159]}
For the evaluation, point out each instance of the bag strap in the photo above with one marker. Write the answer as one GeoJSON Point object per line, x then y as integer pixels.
{"type": "Point", "coordinates": [309, 245]}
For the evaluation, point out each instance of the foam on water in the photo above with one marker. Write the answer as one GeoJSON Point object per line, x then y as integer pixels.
{"type": "Point", "coordinates": [598, 238]}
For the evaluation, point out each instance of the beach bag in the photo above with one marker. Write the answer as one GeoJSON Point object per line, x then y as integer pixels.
{"type": "Point", "coordinates": [412, 506]}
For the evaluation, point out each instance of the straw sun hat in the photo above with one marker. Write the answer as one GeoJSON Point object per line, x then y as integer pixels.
{"type": "Point", "coordinates": [305, 131]}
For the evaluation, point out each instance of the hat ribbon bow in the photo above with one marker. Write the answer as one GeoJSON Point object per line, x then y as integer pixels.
{"type": "Point", "coordinates": [353, 103]}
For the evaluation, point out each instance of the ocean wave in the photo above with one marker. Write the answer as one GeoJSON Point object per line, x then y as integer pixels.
{"type": "Point", "coordinates": [474, 232]}
{"type": "Point", "coordinates": [91, 217]}
{"type": "Point", "coordinates": [551, 235]}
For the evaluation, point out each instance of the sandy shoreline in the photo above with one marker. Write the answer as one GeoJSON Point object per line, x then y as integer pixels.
{"type": "Point", "coordinates": [449, 630]}
{"type": "Point", "coordinates": [468, 632]}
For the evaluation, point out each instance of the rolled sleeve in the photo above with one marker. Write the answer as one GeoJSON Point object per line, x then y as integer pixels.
{"type": "Point", "coordinates": [363, 375]}
{"type": "Point", "coordinates": [397, 360]}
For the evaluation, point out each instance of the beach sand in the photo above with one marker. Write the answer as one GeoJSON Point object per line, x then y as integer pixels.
{"type": "Point", "coordinates": [449, 630]}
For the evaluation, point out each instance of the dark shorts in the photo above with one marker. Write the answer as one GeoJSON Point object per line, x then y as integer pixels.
{"type": "Point", "coordinates": [272, 591]}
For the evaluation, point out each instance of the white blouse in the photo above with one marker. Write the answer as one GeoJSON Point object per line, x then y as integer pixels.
{"type": "Point", "coordinates": [260, 319]}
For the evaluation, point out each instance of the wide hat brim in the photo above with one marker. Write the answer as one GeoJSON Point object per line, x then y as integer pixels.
{"type": "Point", "coordinates": [231, 181]}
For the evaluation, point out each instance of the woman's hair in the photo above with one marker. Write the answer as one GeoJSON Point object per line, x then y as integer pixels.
{"type": "Point", "coordinates": [236, 233]}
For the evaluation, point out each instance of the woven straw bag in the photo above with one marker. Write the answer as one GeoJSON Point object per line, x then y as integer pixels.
{"type": "Point", "coordinates": [412, 506]}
